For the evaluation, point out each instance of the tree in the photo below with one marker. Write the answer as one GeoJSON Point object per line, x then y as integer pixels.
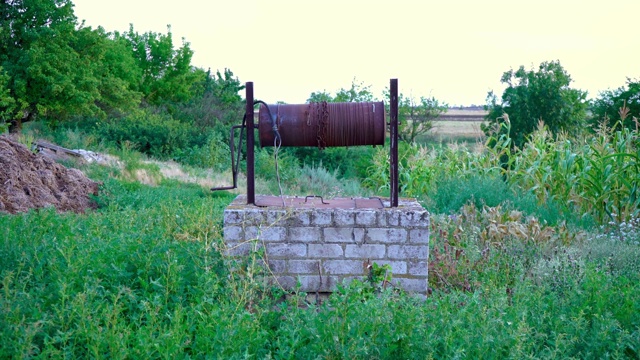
{"type": "Point", "coordinates": [56, 70]}
{"type": "Point", "coordinates": [416, 117]}
{"type": "Point", "coordinates": [216, 99]}
{"type": "Point", "coordinates": [534, 96]}
{"type": "Point", "coordinates": [167, 74]}
{"type": "Point", "coordinates": [608, 104]}
{"type": "Point", "coordinates": [33, 45]}
{"type": "Point", "coordinates": [7, 102]}
{"type": "Point", "coordinates": [320, 97]}
{"type": "Point", "coordinates": [358, 92]}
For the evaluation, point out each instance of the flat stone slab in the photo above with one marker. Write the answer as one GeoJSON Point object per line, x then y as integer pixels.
{"type": "Point", "coordinates": [317, 202]}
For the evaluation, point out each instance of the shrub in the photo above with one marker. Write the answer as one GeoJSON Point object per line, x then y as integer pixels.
{"type": "Point", "coordinates": [451, 193]}
{"type": "Point", "coordinates": [214, 153]}
{"type": "Point", "coordinates": [154, 134]}
{"type": "Point", "coordinates": [344, 162]}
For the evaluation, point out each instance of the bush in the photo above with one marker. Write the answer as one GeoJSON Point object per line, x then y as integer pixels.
{"type": "Point", "coordinates": [214, 153]}
{"type": "Point", "coordinates": [451, 193]}
{"type": "Point", "coordinates": [344, 162]}
{"type": "Point", "coordinates": [154, 134]}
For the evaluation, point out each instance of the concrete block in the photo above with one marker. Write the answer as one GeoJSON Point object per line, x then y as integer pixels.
{"type": "Point", "coordinates": [273, 233]}
{"type": "Point", "coordinates": [276, 217]}
{"type": "Point", "coordinates": [290, 251]}
{"type": "Point", "coordinates": [365, 251]}
{"type": "Point", "coordinates": [358, 235]}
{"type": "Point", "coordinates": [321, 217]}
{"type": "Point", "coordinates": [366, 217]}
{"type": "Point", "coordinates": [305, 234]}
{"type": "Point", "coordinates": [313, 283]}
{"type": "Point", "coordinates": [241, 248]}
{"type": "Point", "coordinates": [406, 252]}
{"type": "Point", "coordinates": [411, 285]}
{"type": "Point", "coordinates": [233, 216]}
{"type": "Point", "coordinates": [251, 233]}
{"type": "Point", "coordinates": [339, 235]}
{"type": "Point", "coordinates": [325, 251]}
{"type": "Point", "coordinates": [278, 266]}
{"type": "Point", "coordinates": [419, 236]}
{"type": "Point", "coordinates": [254, 217]}
{"type": "Point", "coordinates": [414, 218]}
{"type": "Point", "coordinates": [312, 267]}
{"type": "Point", "coordinates": [343, 267]}
{"type": "Point", "coordinates": [286, 282]}
{"type": "Point", "coordinates": [386, 236]}
{"type": "Point", "coordinates": [233, 233]}
{"type": "Point", "coordinates": [397, 267]}
{"type": "Point", "coordinates": [301, 218]}
{"type": "Point", "coordinates": [393, 218]}
{"type": "Point", "coordinates": [418, 268]}
{"type": "Point", "coordinates": [344, 217]}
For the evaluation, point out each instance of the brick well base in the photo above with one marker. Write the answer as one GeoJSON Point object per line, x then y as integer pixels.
{"type": "Point", "coordinates": [321, 247]}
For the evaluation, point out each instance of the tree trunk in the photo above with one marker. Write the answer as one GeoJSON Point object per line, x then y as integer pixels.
{"type": "Point", "coordinates": [15, 126]}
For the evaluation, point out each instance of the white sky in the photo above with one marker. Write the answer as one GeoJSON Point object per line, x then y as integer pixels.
{"type": "Point", "coordinates": [455, 50]}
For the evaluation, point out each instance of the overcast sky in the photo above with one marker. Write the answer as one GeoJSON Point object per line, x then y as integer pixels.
{"type": "Point", "coordinates": [455, 50]}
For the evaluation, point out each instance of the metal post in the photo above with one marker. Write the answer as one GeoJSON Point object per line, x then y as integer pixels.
{"type": "Point", "coordinates": [393, 134]}
{"type": "Point", "coordinates": [251, 192]}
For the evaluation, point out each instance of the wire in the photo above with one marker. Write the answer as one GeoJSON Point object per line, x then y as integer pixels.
{"type": "Point", "coordinates": [274, 123]}
{"type": "Point", "coordinates": [277, 144]}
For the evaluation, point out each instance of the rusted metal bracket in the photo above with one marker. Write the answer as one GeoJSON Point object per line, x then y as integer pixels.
{"type": "Point", "coordinates": [235, 163]}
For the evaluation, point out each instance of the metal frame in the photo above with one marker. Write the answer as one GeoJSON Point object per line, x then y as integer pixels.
{"type": "Point", "coordinates": [393, 135]}
{"type": "Point", "coordinates": [393, 152]}
{"type": "Point", "coordinates": [251, 178]}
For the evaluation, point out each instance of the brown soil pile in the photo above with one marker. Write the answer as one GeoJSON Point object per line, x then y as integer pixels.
{"type": "Point", "coordinates": [29, 180]}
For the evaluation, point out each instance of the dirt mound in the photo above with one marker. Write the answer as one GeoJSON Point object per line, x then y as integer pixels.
{"type": "Point", "coordinates": [29, 180]}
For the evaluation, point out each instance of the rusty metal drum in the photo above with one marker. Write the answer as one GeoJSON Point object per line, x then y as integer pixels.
{"type": "Point", "coordinates": [322, 124]}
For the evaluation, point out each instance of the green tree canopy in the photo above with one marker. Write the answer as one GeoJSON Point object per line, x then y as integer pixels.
{"type": "Point", "coordinates": [216, 99]}
{"type": "Point", "coordinates": [167, 74]}
{"type": "Point", "coordinates": [534, 96]}
{"type": "Point", "coordinates": [608, 104]}
{"type": "Point", "coordinates": [7, 102]}
{"type": "Point", "coordinates": [58, 69]}
{"type": "Point", "coordinates": [358, 92]}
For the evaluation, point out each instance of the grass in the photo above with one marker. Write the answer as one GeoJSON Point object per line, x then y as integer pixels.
{"type": "Point", "coordinates": [144, 277]}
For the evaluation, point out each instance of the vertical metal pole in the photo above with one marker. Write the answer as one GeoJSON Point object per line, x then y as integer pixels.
{"type": "Point", "coordinates": [393, 134]}
{"type": "Point", "coordinates": [251, 192]}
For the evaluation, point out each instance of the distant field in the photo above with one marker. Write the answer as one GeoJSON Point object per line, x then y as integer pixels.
{"type": "Point", "coordinates": [457, 129]}
{"type": "Point", "coordinates": [464, 114]}
{"type": "Point", "coordinates": [459, 123]}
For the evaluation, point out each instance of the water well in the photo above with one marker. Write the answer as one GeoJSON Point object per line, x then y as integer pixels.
{"type": "Point", "coordinates": [319, 242]}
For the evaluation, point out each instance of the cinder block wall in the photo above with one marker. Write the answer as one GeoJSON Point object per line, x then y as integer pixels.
{"type": "Point", "coordinates": [323, 247]}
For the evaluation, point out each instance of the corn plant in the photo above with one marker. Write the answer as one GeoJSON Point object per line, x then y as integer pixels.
{"type": "Point", "coordinates": [611, 174]}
